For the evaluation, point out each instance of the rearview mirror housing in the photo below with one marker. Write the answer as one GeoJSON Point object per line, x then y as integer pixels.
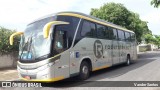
{"type": "Point", "coordinates": [11, 39]}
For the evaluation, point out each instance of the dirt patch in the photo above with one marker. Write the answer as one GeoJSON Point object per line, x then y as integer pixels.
{"type": "Point", "coordinates": [10, 74]}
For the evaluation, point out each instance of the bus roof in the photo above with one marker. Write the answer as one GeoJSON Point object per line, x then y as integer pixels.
{"type": "Point", "coordinates": [87, 17]}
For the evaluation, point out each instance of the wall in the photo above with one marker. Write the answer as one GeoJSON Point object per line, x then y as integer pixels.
{"type": "Point", "coordinates": [8, 60]}
{"type": "Point", "coordinates": [146, 47]}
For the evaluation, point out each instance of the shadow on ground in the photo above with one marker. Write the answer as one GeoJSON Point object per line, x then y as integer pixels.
{"type": "Point", "coordinates": [111, 72]}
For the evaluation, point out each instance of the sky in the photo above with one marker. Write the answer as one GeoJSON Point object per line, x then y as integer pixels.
{"type": "Point", "coordinates": [16, 14]}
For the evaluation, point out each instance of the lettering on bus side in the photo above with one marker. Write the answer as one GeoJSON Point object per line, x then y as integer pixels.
{"type": "Point", "coordinates": [98, 49]}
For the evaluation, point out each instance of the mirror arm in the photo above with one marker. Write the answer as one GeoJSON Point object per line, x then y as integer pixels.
{"type": "Point", "coordinates": [11, 39]}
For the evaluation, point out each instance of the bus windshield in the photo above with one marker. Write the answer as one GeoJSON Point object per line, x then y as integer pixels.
{"type": "Point", "coordinates": [32, 45]}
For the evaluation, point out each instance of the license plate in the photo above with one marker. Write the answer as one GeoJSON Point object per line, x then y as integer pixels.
{"type": "Point", "coordinates": [27, 77]}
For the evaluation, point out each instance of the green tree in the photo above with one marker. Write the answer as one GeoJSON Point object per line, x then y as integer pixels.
{"type": "Point", "coordinates": [138, 26]}
{"type": "Point", "coordinates": [157, 40]}
{"type": "Point", "coordinates": [112, 12]}
{"type": "Point", "coordinates": [120, 15]}
{"type": "Point", "coordinates": [155, 3]}
{"type": "Point", "coordinates": [149, 38]}
{"type": "Point", "coordinates": [4, 41]}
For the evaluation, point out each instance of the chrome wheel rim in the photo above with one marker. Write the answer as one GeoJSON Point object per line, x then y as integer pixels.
{"type": "Point", "coordinates": [128, 61]}
{"type": "Point", "coordinates": [85, 70]}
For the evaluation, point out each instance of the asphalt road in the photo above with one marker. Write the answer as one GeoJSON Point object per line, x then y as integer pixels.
{"type": "Point", "coordinates": [146, 68]}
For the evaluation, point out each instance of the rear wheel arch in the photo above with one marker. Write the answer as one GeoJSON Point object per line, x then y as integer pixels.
{"type": "Point", "coordinates": [128, 56]}
{"type": "Point", "coordinates": [85, 69]}
{"type": "Point", "coordinates": [128, 60]}
{"type": "Point", "coordinates": [88, 60]}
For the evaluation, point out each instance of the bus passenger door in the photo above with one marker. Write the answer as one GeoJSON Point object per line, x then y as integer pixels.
{"type": "Point", "coordinates": [122, 52]}
{"type": "Point", "coordinates": [114, 47]}
{"type": "Point", "coordinates": [60, 46]}
{"type": "Point", "coordinates": [108, 52]}
{"type": "Point", "coordinates": [133, 47]}
{"type": "Point", "coordinates": [122, 55]}
{"type": "Point", "coordinates": [115, 52]}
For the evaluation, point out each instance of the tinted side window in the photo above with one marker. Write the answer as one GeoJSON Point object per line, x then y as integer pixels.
{"type": "Point", "coordinates": [93, 29]}
{"type": "Point", "coordinates": [115, 34]}
{"type": "Point", "coordinates": [132, 37]}
{"type": "Point", "coordinates": [108, 33]}
{"type": "Point", "coordinates": [101, 31]}
{"type": "Point", "coordinates": [111, 33]}
{"type": "Point", "coordinates": [60, 40]}
{"type": "Point", "coordinates": [127, 36]}
{"type": "Point", "coordinates": [121, 35]}
{"type": "Point", "coordinates": [69, 28]}
{"type": "Point", "coordinates": [88, 29]}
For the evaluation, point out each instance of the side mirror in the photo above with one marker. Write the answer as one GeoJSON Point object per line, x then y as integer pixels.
{"type": "Point", "coordinates": [11, 39]}
{"type": "Point", "coordinates": [47, 27]}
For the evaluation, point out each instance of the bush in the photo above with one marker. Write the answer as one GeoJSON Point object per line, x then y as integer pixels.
{"type": "Point", "coordinates": [142, 48]}
{"type": "Point", "coordinates": [5, 47]}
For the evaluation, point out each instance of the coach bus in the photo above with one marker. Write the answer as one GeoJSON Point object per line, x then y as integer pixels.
{"type": "Point", "coordinates": [68, 44]}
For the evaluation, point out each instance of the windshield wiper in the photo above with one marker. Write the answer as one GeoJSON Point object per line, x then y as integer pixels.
{"type": "Point", "coordinates": [29, 47]}
{"type": "Point", "coordinates": [42, 57]}
{"type": "Point", "coordinates": [24, 46]}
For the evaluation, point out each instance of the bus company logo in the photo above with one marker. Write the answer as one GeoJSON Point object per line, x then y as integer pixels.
{"type": "Point", "coordinates": [98, 49]}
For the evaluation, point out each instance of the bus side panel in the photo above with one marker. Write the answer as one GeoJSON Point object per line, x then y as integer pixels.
{"type": "Point", "coordinates": [108, 51]}
{"type": "Point", "coordinates": [102, 53]}
{"type": "Point", "coordinates": [82, 50]}
{"type": "Point", "coordinates": [95, 49]}
{"type": "Point", "coordinates": [115, 52]}
{"type": "Point", "coordinates": [61, 67]}
{"type": "Point", "coordinates": [133, 47]}
{"type": "Point", "coordinates": [134, 51]}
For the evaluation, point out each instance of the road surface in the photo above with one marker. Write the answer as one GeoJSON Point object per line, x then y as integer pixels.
{"type": "Point", "coordinates": [146, 68]}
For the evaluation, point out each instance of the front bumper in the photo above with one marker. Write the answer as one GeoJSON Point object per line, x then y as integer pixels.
{"type": "Point", "coordinates": [45, 80]}
{"type": "Point", "coordinates": [44, 73]}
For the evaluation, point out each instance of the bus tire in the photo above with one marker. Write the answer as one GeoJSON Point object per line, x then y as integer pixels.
{"type": "Point", "coordinates": [128, 62]}
{"type": "Point", "coordinates": [84, 71]}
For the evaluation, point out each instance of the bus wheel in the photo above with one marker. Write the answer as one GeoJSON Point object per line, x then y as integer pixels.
{"type": "Point", "coordinates": [84, 71]}
{"type": "Point", "coordinates": [128, 62]}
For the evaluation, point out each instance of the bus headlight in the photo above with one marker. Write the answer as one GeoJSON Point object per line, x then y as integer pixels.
{"type": "Point", "coordinates": [45, 66]}
{"type": "Point", "coordinates": [50, 64]}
